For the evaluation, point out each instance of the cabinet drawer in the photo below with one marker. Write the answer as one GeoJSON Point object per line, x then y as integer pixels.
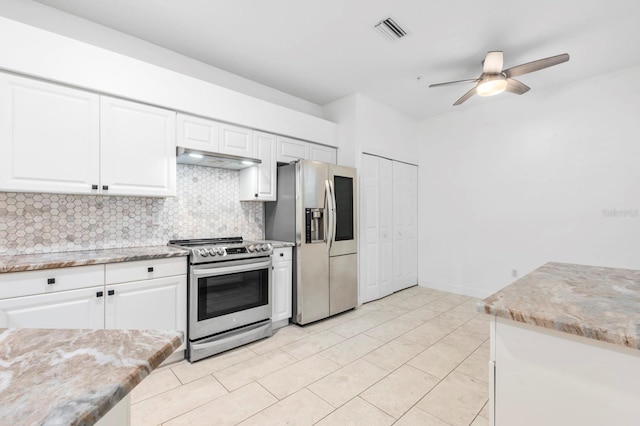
{"type": "Point", "coordinates": [15, 284]}
{"type": "Point", "coordinates": [282, 254]}
{"type": "Point", "coordinates": [145, 269]}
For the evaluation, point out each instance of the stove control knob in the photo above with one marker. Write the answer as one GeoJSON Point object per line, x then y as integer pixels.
{"type": "Point", "coordinates": [251, 248]}
{"type": "Point", "coordinates": [220, 251]}
{"type": "Point", "coordinates": [258, 247]}
{"type": "Point", "coordinates": [268, 246]}
{"type": "Point", "coordinates": [203, 252]}
{"type": "Point", "coordinates": [212, 251]}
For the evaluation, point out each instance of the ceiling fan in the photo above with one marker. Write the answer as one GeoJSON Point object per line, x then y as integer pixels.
{"type": "Point", "coordinates": [494, 79]}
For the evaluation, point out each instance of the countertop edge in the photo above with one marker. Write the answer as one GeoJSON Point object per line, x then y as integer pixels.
{"type": "Point", "coordinates": [133, 379]}
{"type": "Point", "coordinates": [84, 258]}
{"type": "Point", "coordinates": [574, 329]}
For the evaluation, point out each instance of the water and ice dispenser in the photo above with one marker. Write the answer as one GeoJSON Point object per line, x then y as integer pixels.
{"type": "Point", "coordinates": [314, 225]}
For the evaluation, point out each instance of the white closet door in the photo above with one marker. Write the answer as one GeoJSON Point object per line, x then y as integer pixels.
{"type": "Point", "coordinates": [370, 230]}
{"type": "Point", "coordinates": [385, 276]}
{"type": "Point", "coordinates": [405, 229]}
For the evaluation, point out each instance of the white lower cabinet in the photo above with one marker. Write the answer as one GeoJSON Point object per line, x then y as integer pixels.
{"type": "Point", "coordinates": [282, 286]}
{"type": "Point", "coordinates": [82, 308]}
{"type": "Point", "coordinates": [160, 304]}
{"type": "Point", "coordinates": [146, 294]}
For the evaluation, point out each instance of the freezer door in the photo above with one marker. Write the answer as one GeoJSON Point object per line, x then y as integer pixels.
{"type": "Point", "coordinates": [343, 284]}
{"type": "Point", "coordinates": [343, 237]}
{"type": "Point", "coordinates": [311, 300]}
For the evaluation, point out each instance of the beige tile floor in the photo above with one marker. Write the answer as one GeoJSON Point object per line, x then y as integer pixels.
{"type": "Point", "coordinates": [417, 357]}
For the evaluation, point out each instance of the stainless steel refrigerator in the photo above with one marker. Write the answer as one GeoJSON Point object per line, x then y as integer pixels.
{"type": "Point", "coordinates": [316, 209]}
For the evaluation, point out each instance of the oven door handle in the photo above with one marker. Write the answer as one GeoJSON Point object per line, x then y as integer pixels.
{"type": "Point", "coordinates": [231, 269]}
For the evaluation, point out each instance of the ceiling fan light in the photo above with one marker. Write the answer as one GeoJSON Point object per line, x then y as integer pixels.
{"type": "Point", "coordinates": [491, 85]}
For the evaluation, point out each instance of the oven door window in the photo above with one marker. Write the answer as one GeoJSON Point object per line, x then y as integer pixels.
{"type": "Point", "coordinates": [225, 294]}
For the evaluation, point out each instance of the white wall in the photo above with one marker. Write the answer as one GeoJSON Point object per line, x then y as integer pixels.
{"type": "Point", "coordinates": [54, 20]}
{"type": "Point", "coordinates": [520, 181]}
{"type": "Point", "coordinates": [343, 112]}
{"type": "Point", "coordinates": [372, 127]}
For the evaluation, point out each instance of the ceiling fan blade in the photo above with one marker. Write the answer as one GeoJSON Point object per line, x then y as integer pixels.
{"type": "Point", "coordinates": [466, 96]}
{"type": "Point", "coordinates": [492, 63]}
{"type": "Point", "coordinates": [449, 83]}
{"type": "Point", "coordinates": [536, 65]}
{"type": "Point", "coordinates": [514, 86]}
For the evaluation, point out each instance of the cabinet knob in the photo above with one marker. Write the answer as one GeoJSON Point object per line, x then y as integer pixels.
{"type": "Point", "coordinates": [150, 269]}
{"type": "Point", "coordinates": [105, 187]}
{"type": "Point", "coordinates": [255, 195]}
{"type": "Point", "coordinates": [281, 254]}
{"type": "Point", "coordinates": [111, 292]}
{"type": "Point", "coordinates": [51, 280]}
{"type": "Point", "coordinates": [94, 186]}
{"type": "Point", "coordinates": [99, 294]}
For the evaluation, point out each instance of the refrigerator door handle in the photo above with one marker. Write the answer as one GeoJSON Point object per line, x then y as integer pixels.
{"type": "Point", "coordinates": [330, 207]}
{"type": "Point", "coordinates": [333, 214]}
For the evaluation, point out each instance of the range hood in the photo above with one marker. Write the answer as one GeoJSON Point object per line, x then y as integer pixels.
{"type": "Point", "coordinates": [214, 159]}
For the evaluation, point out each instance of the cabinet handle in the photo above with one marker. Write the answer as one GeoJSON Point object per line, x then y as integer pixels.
{"type": "Point", "coordinates": [281, 254]}
{"type": "Point", "coordinates": [51, 280]}
{"type": "Point", "coordinates": [111, 292]}
{"type": "Point", "coordinates": [94, 186]}
{"type": "Point", "coordinates": [150, 269]}
{"type": "Point", "coordinates": [99, 294]}
{"type": "Point", "coordinates": [105, 187]}
{"type": "Point", "coordinates": [255, 195]}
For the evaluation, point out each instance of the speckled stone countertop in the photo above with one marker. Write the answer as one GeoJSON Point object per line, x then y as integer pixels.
{"type": "Point", "coordinates": [595, 302]}
{"type": "Point", "coordinates": [31, 262]}
{"type": "Point", "coordinates": [74, 377]}
{"type": "Point", "coordinates": [277, 244]}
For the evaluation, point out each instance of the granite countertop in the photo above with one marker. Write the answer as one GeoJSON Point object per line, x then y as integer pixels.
{"type": "Point", "coordinates": [277, 244]}
{"type": "Point", "coordinates": [31, 262]}
{"type": "Point", "coordinates": [595, 302]}
{"type": "Point", "coordinates": [73, 377]}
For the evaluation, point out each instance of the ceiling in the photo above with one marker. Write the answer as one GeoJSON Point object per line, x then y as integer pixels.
{"type": "Point", "coordinates": [324, 50]}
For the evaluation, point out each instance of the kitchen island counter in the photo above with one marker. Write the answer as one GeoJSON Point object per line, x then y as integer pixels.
{"type": "Point", "coordinates": [32, 262]}
{"type": "Point", "coordinates": [74, 377]}
{"type": "Point", "coordinates": [595, 302]}
{"type": "Point", "coordinates": [565, 337]}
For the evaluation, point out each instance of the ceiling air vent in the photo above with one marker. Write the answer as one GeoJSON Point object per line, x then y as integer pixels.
{"type": "Point", "coordinates": [390, 30]}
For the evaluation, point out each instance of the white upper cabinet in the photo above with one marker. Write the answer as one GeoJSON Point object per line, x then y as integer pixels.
{"type": "Point", "coordinates": [258, 183]}
{"type": "Point", "coordinates": [291, 149]}
{"type": "Point", "coordinates": [137, 149]}
{"type": "Point", "coordinates": [198, 133]}
{"type": "Point", "coordinates": [49, 137]}
{"type": "Point", "coordinates": [235, 140]}
{"type": "Point", "coordinates": [323, 153]}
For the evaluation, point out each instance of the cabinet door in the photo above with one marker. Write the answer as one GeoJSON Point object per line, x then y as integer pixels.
{"type": "Point", "coordinates": [137, 149]}
{"type": "Point", "coordinates": [323, 153]}
{"type": "Point", "coordinates": [291, 149]}
{"type": "Point", "coordinates": [258, 183]}
{"type": "Point", "coordinates": [198, 133]}
{"type": "Point", "coordinates": [158, 304]}
{"type": "Point", "coordinates": [236, 140]}
{"type": "Point", "coordinates": [282, 286]}
{"type": "Point", "coordinates": [49, 137]}
{"type": "Point", "coordinates": [82, 308]}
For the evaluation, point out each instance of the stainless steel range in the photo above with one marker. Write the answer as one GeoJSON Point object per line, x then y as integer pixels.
{"type": "Point", "coordinates": [229, 294]}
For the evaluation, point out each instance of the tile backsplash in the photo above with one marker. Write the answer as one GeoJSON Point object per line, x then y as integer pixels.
{"type": "Point", "coordinates": [206, 206]}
